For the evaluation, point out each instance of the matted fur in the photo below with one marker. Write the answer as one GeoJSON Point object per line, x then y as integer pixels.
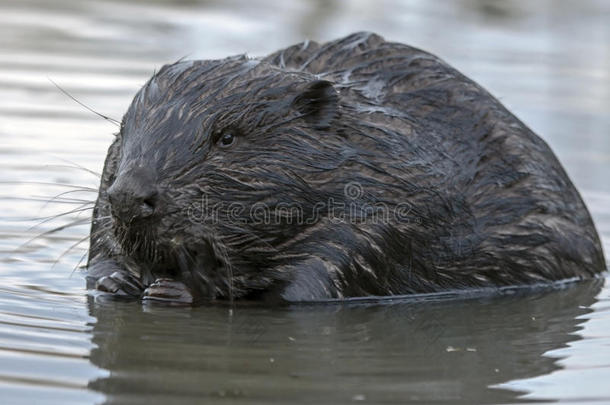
{"type": "Point", "coordinates": [482, 200]}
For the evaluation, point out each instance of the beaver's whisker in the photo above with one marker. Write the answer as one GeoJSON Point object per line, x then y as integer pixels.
{"type": "Point", "coordinates": [65, 252]}
{"type": "Point", "coordinates": [49, 183]}
{"type": "Point", "coordinates": [137, 244]}
{"type": "Point", "coordinates": [150, 248]}
{"type": "Point", "coordinates": [102, 224]}
{"type": "Point", "coordinates": [74, 165]}
{"type": "Point", "coordinates": [97, 233]}
{"type": "Point", "coordinates": [44, 220]}
{"type": "Point", "coordinates": [38, 199]}
{"type": "Point", "coordinates": [146, 247]}
{"type": "Point", "coordinates": [109, 119]}
{"type": "Point", "coordinates": [60, 199]}
{"type": "Point", "coordinates": [155, 253]}
{"type": "Point", "coordinates": [77, 222]}
{"type": "Point", "coordinates": [79, 262]}
{"type": "Point", "coordinates": [64, 200]}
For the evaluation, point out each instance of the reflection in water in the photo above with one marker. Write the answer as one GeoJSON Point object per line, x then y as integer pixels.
{"type": "Point", "coordinates": [443, 351]}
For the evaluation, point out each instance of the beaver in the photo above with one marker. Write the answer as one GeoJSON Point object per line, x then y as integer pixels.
{"type": "Point", "coordinates": [359, 167]}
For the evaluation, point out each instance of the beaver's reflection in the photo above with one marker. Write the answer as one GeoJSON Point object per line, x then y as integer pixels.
{"type": "Point", "coordinates": [419, 351]}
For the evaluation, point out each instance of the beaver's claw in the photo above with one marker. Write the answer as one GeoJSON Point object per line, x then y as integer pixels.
{"type": "Point", "coordinates": [120, 283]}
{"type": "Point", "coordinates": [168, 291]}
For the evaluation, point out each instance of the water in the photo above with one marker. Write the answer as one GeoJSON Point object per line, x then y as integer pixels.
{"type": "Point", "coordinates": [548, 61]}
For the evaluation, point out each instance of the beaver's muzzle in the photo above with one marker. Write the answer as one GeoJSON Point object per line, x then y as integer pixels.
{"type": "Point", "coordinates": [133, 195]}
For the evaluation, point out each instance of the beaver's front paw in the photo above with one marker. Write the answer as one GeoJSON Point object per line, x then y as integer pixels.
{"type": "Point", "coordinates": [168, 291]}
{"type": "Point", "coordinates": [120, 283]}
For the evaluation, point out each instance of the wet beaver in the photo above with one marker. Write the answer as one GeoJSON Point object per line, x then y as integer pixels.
{"type": "Point", "coordinates": [353, 168]}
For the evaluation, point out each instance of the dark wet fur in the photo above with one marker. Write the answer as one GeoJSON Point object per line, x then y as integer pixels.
{"type": "Point", "coordinates": [486, 202]}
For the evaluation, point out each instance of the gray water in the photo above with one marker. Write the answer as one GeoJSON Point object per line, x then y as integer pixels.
{"type": "Point", "coordinates": [548, 61]}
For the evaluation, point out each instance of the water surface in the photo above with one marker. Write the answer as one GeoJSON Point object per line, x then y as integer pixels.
{"type": "Point", "coordinates": [548, 61]}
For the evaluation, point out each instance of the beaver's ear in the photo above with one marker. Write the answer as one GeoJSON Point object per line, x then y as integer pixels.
{"type": "Point", "coordinates": [318, 102]}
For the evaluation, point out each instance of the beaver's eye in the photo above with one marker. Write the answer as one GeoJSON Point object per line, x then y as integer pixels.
{"type": "Point", "coordinates": [227, 139]}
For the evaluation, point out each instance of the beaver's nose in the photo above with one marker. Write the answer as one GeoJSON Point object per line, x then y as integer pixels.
{"type": "Point", "coordinates": [133, 195]}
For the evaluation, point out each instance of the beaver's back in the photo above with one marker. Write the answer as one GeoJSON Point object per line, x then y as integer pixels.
{"type": "Point", "coordinates": [498, 187]}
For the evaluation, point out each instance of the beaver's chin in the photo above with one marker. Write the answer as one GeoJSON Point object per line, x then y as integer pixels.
{"type": "Point", "coordinates": [160, 254]}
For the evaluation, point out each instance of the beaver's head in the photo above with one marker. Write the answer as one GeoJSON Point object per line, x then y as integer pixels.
{"type": "Point", "coordinates": [221, 163]}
